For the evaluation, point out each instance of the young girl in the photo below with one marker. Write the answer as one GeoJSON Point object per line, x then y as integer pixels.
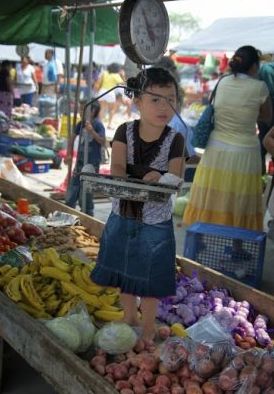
{"type": "Point", "coordinates": [137, 252]}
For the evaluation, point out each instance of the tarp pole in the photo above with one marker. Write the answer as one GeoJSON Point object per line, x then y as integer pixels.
{"type": "Point", "coordinates": [91, 46]}
{"type": "Point", "coordinates": [67, 67]}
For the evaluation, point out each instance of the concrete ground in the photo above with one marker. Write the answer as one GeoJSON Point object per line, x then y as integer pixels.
{"type": "Point", "coordinates": [19, 377]}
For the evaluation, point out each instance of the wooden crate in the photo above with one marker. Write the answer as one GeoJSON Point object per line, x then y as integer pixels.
{"type": "Point", "coordinates": [60, 367]}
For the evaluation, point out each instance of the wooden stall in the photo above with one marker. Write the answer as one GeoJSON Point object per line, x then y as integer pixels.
{"type": "Point", "coordinates": [64, 370]}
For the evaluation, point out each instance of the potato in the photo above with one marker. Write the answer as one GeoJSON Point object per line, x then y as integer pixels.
{"type": "Point", "coordinates": [263, 379]}
{"type": "Point", "coordinates": [205, 368]}
{"type": "Point", "coordinates": [163, 380]}
{"type": "Point", "coordinates": [267, 364]}
{"type": "Point", "coordinates": [210, 388]}
{"type": "Point", "coordinates": [248, 372]}
{"type": "Point", "coordinates": [238, 362]}
{"type": "Point", "coordinates": [177, 389]}
{"type": "Point", "coordinates": [122, 384]}
{"type": "Point", "coordinates": [228, 379]}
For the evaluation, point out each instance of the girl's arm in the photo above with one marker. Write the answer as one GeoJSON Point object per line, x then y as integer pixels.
{"type": "Point", "coordinates": [268, 141]}
{"type": "Point", "coordinates": [119, 159]}
{"type": "Point", "coordinates": [176, 166]}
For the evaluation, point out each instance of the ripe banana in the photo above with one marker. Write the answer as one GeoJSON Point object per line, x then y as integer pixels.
{"type": "Point", "coordinates": [12, 289]}
{"type": "Point", "coordinates": [34, 312]}
{"type": "Point", "coordinates": [4, 269]}
{"type": "Point", "coordinates": [30, 294]}
{"type": "Point", "coordinates": [108, 299]}
{"type": "Point", "coordinates": [55, 273]}
{"type": "Point", "coordinates": [112, 308]}
{"type": "Point", "coordinates": [67, 306]}
{"type": "Point", "coordinates": [80, 282]}
{"type": "Point", "coordinates": [108, 315]}
{"type": "Point", "coordinates": [93, 287]}
{"type": "Point", "coordinates": [52, 305]}
{"type": "Point", "coordinates": [47, 290]}
{"type": "Point", "coordinates": [74, 290]}
{"type": "Point", "coordinates": [12, 273]}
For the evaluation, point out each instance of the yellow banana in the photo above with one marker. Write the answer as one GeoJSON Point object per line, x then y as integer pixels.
{"type": "Point", "coordinates": [4, 269]}
{"type": "Point", "coordinates": [25, 269]}
{"type": "Point", "coordinates": [30, 294]}
{"type": "Point", "coordinates": [47, 290]}
{"type": "Point", "coordinates": [67, 306]}
{"type": "Point", "coordinates": [12, 289]}
{"type": "Point", "coordinates": [112, 308]}
{"type": "Point", "coordinates": [52, 305]}
{"type": "Point", "coordinates": [74, 290]}
{"type": "Point", "coordinates": [108, 299]}
{"type": "Point", "coordinates": [109, 315]}
{"type": "Point", "coordinates": [54, 258]}
{"type": "Point", "coordinates": [93, 287]}
{"type": "Point", "coordinates": [34, 312]}
{"type": "Point", "coordinates": [79, 281]}
{"type": "Point", "coordinates": [12, 273]}
{"type": "Point", "coordinates": [55, 273]}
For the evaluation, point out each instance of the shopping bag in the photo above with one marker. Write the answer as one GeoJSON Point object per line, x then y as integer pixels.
{"type": "Point", "coordinates": [203, 128]}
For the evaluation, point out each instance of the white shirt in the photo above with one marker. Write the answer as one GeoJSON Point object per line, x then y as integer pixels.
{"type": "Point", "coordinates": [59, 70]}
{"type": "Point", "coordinates": [24, 78]}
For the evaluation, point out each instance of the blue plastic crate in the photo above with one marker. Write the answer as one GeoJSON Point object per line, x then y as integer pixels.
{"type": "Point", "coordinates": [234, 251]}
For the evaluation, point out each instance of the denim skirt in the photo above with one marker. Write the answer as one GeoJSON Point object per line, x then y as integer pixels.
{"type": "Point", "coordinates": [138, 258]}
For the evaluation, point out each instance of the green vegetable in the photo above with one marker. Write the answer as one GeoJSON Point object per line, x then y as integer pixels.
{"type": "Point", "coordinates": [66, 331]}
{"type": "Point", "coordinates": [85, 328]}
{"type": "Point", "coordinates": [115, 338]}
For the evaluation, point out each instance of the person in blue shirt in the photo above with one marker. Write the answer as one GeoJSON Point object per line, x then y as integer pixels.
{"type": "Point", "coordinates": [94, 132]}
{"type": "Point", "coordinates": [187, 133]}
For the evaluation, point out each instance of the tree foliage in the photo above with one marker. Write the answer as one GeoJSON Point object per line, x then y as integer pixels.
{"type": "Point", "coordinates": [181, 24]}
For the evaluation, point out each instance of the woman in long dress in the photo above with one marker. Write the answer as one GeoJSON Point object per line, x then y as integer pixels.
{"type": "Point", "coordinates": [227, 188]}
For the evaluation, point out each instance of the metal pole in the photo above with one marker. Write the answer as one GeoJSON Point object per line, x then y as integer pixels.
{"type": "Point", "coordinates": [69, 137]}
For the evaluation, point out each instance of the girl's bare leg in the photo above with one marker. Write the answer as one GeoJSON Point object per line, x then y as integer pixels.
{"type": "Point", "coordinates": [129, 304]}
{"type": "Point", "coordinates": [149, 310]}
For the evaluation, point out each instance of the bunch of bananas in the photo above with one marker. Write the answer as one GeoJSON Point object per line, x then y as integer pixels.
{"type": "Point", "coordinates": [52, 284]}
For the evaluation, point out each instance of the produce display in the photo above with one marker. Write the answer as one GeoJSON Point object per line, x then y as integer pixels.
{"type": "Point", "coordinates": [207, 342]}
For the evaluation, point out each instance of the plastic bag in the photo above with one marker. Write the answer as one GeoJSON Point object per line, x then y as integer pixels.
{"type": "Point", "coordinates": [58, 219]}
{"type": "Point", "coordinates": [175, 351]}
{"type": "Point", "coordinates": [10, 172]}
{"type": "Point", "coordinates": [249, 372]}
{"type": "Point", "coordinates": [208, 330]}
{"type": "Point", "coordinates": [82, 320]}
{"type": "Point", "coordinates": [116, 338]}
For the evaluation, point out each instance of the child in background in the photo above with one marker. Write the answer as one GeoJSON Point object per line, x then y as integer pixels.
{"type": "Point", "coordinates": [137, 252]}
{"type": "Point", "coordinates": [94, 131]}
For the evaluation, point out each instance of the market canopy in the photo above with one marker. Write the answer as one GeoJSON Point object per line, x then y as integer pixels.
{"type": "Point", "coordinates": [44, 25]}
{"type": "Point", "coordinates": [228, 34]}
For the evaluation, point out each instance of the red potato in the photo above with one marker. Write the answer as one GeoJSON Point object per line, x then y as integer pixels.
{"type": "Point", "coordinates": [251, 358]}
{"type": "Point", "coordinates": [127, 391]}
{"type": "Point", "coordinates": [267, 364]}
{"type": "Point", "coordinates": [122, 384]}
{"type": "Point", "coordinates": [17, 235]}
{"type": "Point", "coordinates": [140, 345]}
{"type": "Point", "coordinates": [148, 362]}
{"type": "Point", "coordinates": [192, 389]}
{"type": "Point", "coordinates": [31, 230]}
{"type": "Point", "coordinates": [98, 360]}
{"type": "Point", "coordinates": [139, 389]}
{"type": "Point", "coordinates": [184, 372]}
{"type": "Point", "coordinates": [147, 377]}
{"type": "Point", "coordinates": [134, 379]}
{"type": "Point", "coordinates": [245, 345]}
{"type": "Point", "coordinates": [228, 379]}
{"type": "Point", "coordinates": [164, 332]}
{"type": "Point", "coordinates": [248, 372]}
{"type": "Point", "coordinates": [110, 367]}
{"type": "Point", "coordinates": [210, 388]}
{"type": "Point", "coordinates": [118, 358]}
{"type": "Point", "coordinates": [205, 368]}
{"type": "Point", "coordinates": [263, 380]}
{"type": "Point", "coordinates": [196, 378]}
{"type": "Point", "coordinates": [159, 390]}
{"type": "Point", "coordinates": [173, 378]}
{"type": "Point", "coordinates": [100, 352]}
{"type": "Point", "coordinates": [177, 389]}
{"type": "Point", "coordinates": [251, 341]}
{"type": "Point", "coordinates": [254, 390]}
{"type": "Point", "coordinates": [238, 362]}
{"type": "Point", "coordinates": [162, 369]}
{"type": "Point", "coordinates": [120, 372]}
{"type": "Point", "coordinates": [132, 371]}
{"type": "Point", "coordinates": [163, 380]}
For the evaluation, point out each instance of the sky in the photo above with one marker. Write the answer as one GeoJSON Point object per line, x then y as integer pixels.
{"type": "Point", "coordinates": [209, 10]}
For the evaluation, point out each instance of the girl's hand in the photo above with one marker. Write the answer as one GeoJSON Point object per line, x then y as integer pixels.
{"type": "Point", "coordinates": [152, 176]}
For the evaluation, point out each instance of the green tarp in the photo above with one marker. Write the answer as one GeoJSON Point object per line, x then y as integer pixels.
{"type": "Point", "coordinates": [25, 22]}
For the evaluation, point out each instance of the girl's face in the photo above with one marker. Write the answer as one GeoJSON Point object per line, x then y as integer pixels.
{"type": "Point", "coordinates": [156, 111]}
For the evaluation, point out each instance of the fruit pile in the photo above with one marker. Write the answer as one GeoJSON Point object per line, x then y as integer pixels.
{"type": "Point", "coordinates": [52, 284]}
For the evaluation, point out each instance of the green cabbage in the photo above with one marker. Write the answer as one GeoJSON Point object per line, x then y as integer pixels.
{"type": "Point", "coordinates": [115, 338]}
{"type": "Point", "coordinates": [66, 331]}
{"type": "Point", "coordinates": [85, 327]}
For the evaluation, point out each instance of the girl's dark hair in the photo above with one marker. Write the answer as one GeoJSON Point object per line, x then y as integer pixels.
{"type": "Point", "coordinates": [150, 77]}
{"type": "Point", "coordinates": [95, 109]}
{"type": "Point", "coordinates": [5, 81]}
{"type": "Point", "coordinates": [244, 58]}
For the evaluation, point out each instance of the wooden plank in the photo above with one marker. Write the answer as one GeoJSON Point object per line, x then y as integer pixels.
{"type": "Point", "coordinates": [64, 370]}
{"type": "Point", "coordinates": [1, 361]}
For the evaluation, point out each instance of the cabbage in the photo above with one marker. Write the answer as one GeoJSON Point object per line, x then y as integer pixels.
{"type": "Point", "coordinates": [180, 205]}
{"type": "Point", "coordinates": [115, 338]}
{"type": "Point", "coordinates": [85, 328]}
{"type": "Point", "coordinates": [66, 331]}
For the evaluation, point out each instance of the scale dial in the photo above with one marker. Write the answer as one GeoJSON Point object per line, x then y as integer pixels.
{"type": "Point", "coordinates": [144, 30]}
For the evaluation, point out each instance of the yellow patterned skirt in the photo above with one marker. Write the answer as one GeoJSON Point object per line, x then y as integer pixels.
{"type": "Point", "coordinates": [227, 187]}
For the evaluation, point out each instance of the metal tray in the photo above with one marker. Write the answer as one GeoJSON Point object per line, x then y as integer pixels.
{"type": "Point", "coordinates": [128, 189]}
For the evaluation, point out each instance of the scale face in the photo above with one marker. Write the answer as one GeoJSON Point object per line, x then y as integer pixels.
{"type": "Point", "coordinates": [144, 30]}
